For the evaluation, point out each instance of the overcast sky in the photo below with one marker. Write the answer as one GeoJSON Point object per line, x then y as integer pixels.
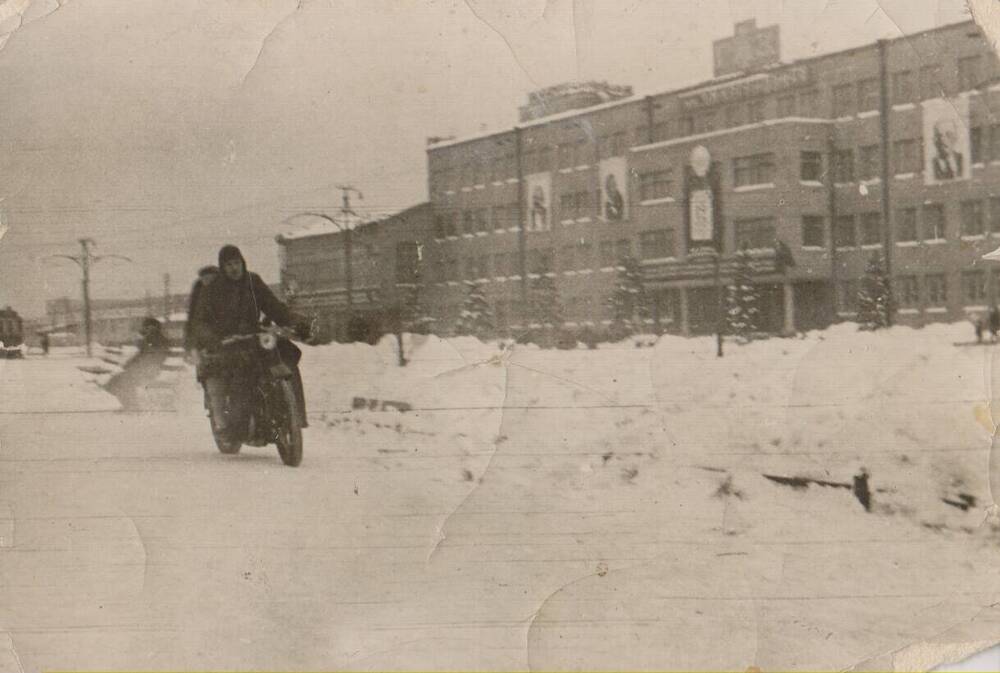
{"type": "Point", "coordinates": [165, 129]}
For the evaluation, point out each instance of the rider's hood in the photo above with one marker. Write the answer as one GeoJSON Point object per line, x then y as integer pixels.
{"type": "Point", "coordinates": [228, 252]}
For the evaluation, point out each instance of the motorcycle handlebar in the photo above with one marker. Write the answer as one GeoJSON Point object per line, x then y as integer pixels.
{"type": "Point", "coordinates": [280, 332]}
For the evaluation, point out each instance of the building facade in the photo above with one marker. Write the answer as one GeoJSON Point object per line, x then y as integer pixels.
{"type": "Point", "coordinates": [890, 149]}
{"type": "Point", "coordinates": [383, 256]}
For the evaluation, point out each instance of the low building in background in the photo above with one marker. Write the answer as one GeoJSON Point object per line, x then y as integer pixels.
{"type": "Point", "coordinates": [385, 262]}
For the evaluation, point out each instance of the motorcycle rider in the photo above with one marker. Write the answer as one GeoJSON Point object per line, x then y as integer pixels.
{"type": "Point", "coordinates": [231, 305]}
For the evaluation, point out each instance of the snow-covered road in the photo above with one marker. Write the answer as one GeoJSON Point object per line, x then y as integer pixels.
{"type": "Point", "coordinates": [552, 510]}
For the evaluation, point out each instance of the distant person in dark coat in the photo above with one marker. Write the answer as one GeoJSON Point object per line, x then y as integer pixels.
{"type": "Point", "coordinates": [994, 322]}
{"type": "Point", "coordinates": [45, 343]}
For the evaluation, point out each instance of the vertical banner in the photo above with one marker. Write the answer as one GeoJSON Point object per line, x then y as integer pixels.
{"type": "Point", "coordinates": [947, 154]}
{"type": "Point", "coordinates": [539, 205]}
{"type": "Point", "coordinates": [614, 191]}
{"type": "Point", "coordinates": [702, 203]}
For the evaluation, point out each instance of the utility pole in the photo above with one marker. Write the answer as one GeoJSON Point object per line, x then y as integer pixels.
{"type": "Point", "coordinates": [166, 297]}
{"type": "Point", "coordinates": [885, 110]}
{"type": "Point", "coordinates": [346, 211]}
{"type": "Point", "coordinates": [85, 260]}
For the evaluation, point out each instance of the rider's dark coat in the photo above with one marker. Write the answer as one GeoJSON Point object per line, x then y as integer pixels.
{"type": "Point", "coordinates": [228, 307]}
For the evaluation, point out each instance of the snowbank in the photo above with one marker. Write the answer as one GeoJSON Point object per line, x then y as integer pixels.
{"type": "Point", "coordinates": [906, 405]}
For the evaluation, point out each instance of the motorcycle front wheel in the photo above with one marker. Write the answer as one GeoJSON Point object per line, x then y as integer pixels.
{"type": "Point", "coordinates": [224, 444]}
{"type": "Point", "coordinates": [289, 437]}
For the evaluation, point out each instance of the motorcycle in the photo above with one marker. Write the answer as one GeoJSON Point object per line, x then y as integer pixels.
{"type": "Point", "coordinates": [271, 409]}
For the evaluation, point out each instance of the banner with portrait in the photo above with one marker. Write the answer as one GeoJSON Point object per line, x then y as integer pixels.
{"type": "Point", "coordinates": [614, 189]}
{"type": "Point", "coordinates": [538, 209]}
{"type": "Point", "coordinates": [947, 149]}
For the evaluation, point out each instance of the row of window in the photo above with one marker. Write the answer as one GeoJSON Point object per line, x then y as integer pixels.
{"type": "Point", "coordinates": [929, 290]}
{"type": "Point", "coordinates": [977, 217]}
{"type": "Point", "coordinates": [906, 86]}
{"type": "Point", "coordinates": [577, 256]}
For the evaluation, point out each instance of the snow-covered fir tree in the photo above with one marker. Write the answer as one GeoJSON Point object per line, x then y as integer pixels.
{"type": "Point", "coordinates": [476, 318]}
{"type": "Point", "coordinates": [628, 304]}
{"type": "Point", "coordinates": [743, 300]}
{"type": "Point", "coordinates": [875, 304]}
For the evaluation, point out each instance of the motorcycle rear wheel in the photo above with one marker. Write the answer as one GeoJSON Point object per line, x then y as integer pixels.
{"type": "Point", "coordinates": [289, 436]}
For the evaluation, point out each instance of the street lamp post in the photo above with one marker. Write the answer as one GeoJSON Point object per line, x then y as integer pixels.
{"type": "Point", "coordinates": [84, 260]}
{"type": "Point", "coordinates": [348, 271]}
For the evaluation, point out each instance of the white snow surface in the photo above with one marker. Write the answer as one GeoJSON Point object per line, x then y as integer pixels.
{"type": "Point", "coordinates": [543, 509]}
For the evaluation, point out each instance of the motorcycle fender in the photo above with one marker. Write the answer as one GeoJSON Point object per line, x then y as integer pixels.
{"type": "Point", "coordinates": [280, 371]}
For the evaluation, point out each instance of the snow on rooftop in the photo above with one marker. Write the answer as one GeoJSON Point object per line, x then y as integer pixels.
{"type": "Point", "coordinates": [317, 226]}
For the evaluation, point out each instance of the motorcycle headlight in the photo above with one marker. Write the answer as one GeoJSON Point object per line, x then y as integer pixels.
{"type": "Point", "coordinates": [267, 341]}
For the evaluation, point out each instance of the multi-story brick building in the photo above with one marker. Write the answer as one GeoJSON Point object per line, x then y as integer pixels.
{"type": "Point", "coordinates": [890, 148]}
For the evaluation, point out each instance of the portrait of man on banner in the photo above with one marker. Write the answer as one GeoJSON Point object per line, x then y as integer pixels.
{"type": "Point", "coordinates": [946, 140]}
{"type": "Point", "coordinates": [614, 191]}
{"type": "Point", "coordinates": [538, 211]}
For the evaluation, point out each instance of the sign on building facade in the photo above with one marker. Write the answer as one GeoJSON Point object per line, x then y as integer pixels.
{"type": "Point", "coordinates": [614, 192]}
{"type": "Point", "coordinates": [702, 203]}
{"type": "Point", "coordinates": [538, 209]}
{"type": "Point", "coordinates": [947, 148]}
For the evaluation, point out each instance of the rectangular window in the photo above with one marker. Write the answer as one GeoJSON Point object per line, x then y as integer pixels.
{"type": "Point", "coordinates": [407, 261]}
{"type": "Point", "coordinates": [937, 289]}
{"type": "Point", "coordinates": [847, 296]}
{"type": "Point", "coordinates": [685, 126]}
{"type": "Point", "coordinates": [440, 225]}
{"type": "Point", "coordinates": [468, 222]}
{"type": "Point", "coordinates": [661, 131]}
{"type": "Point", "coordinates": [969, 73]}
{"type": "Point", "coordinates": [656, 244]}
{"type": "Point", "coordinates": [934, 222]}
{"type": "Point", "coordinates": [756, 111]}
{"type": "Point", "coordinates": [567, 261]}
{"type": "Point", "coordinates": [623, 249]}
{"type": "Point", "coordinates": [871, 229]}
{"type": "Point", "coordinates": [606, 252]}
{"type": "Point", "coordinates": [868, 95]}
{"type": "Point", "coordinates": [902, 87]}
{"type": "Point", "coordinates": [906, 224]}
{"type": "Point", "coordinates": [974, 287]}
{"type": "Point", "coordinates": [757, 169]}
{"type": "Point", "coordinates": [439, 272]}
{"type": "Point", "coordinates": [994, 149]}
{"type": "Point", "coordinates": [499, 218]}
{"type": "Point", "coordinates": [655, 184]}
{"type": "Point", "coordinates": [972, 218]}
{"type": "Point", "coordinates": [843, 166]}
{"type": "Point", "coordinates": [843, 232]}
{"type": "Point", "coordinates": [869, 163]}
{"type": "Point", "coordinates": [706, 122]}
{"type": "Point", "coordinates": [567, 206]}
{"type": "Point", "coordinates": [907, 291]}
{"type": "Point", "coordinates": [584, 255]}
{"type": "Point", "coordinates": [541, 261]}
{"type": "Point", "coordinates": [735, 115]}
{"type": "Point", "coordinates": [612, 145]}
{"type": "Point", "coordinates": [482, 216]}
{"type": "Point", "coordinates": [995, 215]}
{"type": "Point", "coordinates": [811, 166]}
{"type": "Point", "coordinates": [812, 231]}
{"type": "Point", "coordinates": [809, 103]}
{"type": "Point", "coordinates": [844, 100]}
{"type": "Point", "coordinates": [786, 106]}
{"type": "Point", "coordinates": [930, 82]}
{"type": "Point", "coordinates": [906, 157]}
{"type": "Point", "coordinates": [451, 268]}
{"type": "Point", "coordinates": [976, 144]}
{"type": "Point", "coordinates": [755, 234]}
{"type": "Point", "coordinates": [566, 155]}
{"type": "Point", "coordinates": [544, 158]}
